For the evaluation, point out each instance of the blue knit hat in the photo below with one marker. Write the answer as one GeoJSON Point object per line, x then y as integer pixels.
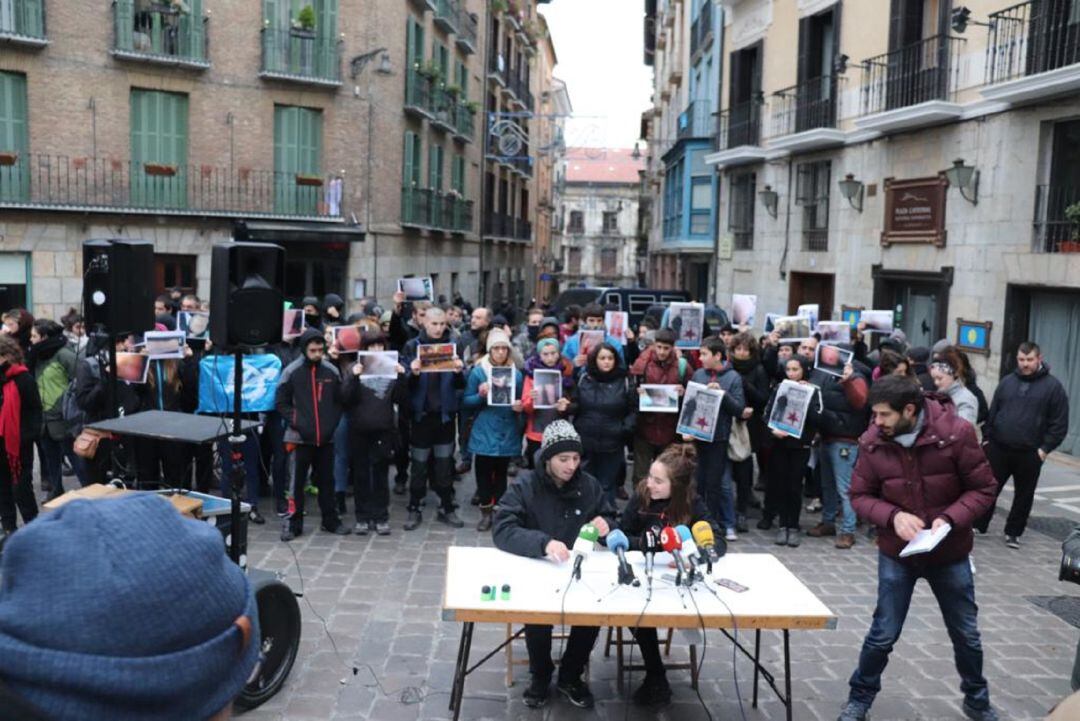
{"type": "Point", "coordinates": [124, 609]}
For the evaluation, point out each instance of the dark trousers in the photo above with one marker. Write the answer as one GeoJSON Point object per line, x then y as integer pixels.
{"type": "Point", "coordinates": [578, 648]}
{"type": "Point", "coordinates": [531, 448]}
{"type": "Point", "coordinates": [156, 460]}
{"type": "Point", "coordinates": [490, 478]}
{"type": "Point", "coordinates": [273, 439]}
{"type": "Point", "coordinates": [954, 588]}
{"type": "Point", "coordinates": [18, 495]}
{"type": "Point", "coordinates": [787, 466]}
{"type": "Point", "coordinates": [742, 474]}
{"type": "Point", "coordinates": [51, 454]}
{"type": "Point", "coordinates": [403, 458]}
{"type": "Point", "coordinates": [1024, 467]}
{"type": "Point", "coordinates": [649, 644]}
{"type": "Point", "coordinates": [604, 466]}
{"type": "Point", "coordinates": [319, 460]}
{"type": "Point", "coordinates": [370, 479]}
{"type": "Point", "coordinates": [432, 456]}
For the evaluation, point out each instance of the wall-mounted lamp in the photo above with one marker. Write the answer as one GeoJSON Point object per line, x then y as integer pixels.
{"type": "Point", "coordinates": [853, 191]}
{"type": "Point", "coordinates": [966, 178]}
{"type": "Point", "coordinates": [770, 199]}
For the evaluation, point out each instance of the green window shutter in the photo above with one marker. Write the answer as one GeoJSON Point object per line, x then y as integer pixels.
{"type": "Point", "coordinates": [327, 39]}
{"type": "Point", "coordinates": [14, 179]}
{"type": "Point", "coordinates": [463, 79]}
{"type": "Point", "coordinates": [457, 181]}
{"type": "Point", "coordinates": [433, 167]}
{"type": "Point", "coordinates": [192, 31]}
{"type": "Point", "coordinates": [158, 137]}
{"type": "Point", "coordinates": [32, 19]}
{"type": "Point", "coordinates": [297, 151]}
{"type": "Point", "coordinates": [125, 24]}
{"type": "Point", "coordinates": [409, 162]}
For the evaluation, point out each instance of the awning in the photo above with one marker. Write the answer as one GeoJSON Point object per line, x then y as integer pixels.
{"type": "Point", "coordinates": [281, 232]}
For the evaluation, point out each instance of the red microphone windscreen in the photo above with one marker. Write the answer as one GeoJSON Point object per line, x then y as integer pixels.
{"type": "Point", "coordinates": [670, 540]}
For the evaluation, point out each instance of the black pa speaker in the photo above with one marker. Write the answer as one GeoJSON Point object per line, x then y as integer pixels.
{"type": "Point", "coordinates": [117, 290]}
{"type": "Point", "coordinates": [246, 301]}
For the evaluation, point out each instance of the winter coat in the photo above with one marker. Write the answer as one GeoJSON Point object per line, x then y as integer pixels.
{"type": "Point", "coordinates": [658, 429]}
{"type": "Point", "coordinates": [309, 399]}
{"type": "Point", "coordinates": [810, 427]}
{"type": "Point", "coordinates": [1029, 412]}
{"type": "Point", "coordinates": [91, 392]}
{"type": "Point", "coordinates": [846, 413]}
{"type": "Point", "coordinates": [732, 404]}
{"type": "Point", "coordinates": [537, 419]}
{"type": "Point", "coordinates": [369, 403]}
{"type": "Point", "coordinates": [604, 412]}
{"type": "Point", "coordinates": [943, 475]}
{"type": "Point", "coordinates": [30, 412]}
{"type": "Point", "coordinates": [448, 383]}
{"type": "Point", "coordinates": [53, 369]}
{"type": "Point", "coordinates": [755, 382]}
{"type": "Point", "coordinates": [967, 407]}
{"type": "Point", "coordinates": [636, 520]}
{"type": "Point", "coordinates": [534, 511]}
{"type": "Point", "coordinates": [496, 430]}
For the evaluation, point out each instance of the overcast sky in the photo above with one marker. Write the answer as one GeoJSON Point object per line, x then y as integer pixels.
{"type": "Point", "coordinates": [599, 47]}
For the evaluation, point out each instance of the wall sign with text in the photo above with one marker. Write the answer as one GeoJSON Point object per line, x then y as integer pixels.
{"type": "Point", "coordinates": [915, 211]}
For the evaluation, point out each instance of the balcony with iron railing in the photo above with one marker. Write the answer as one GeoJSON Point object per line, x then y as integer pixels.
{"type": "Point", "coordinates": [701, 32]}
{"type": "Point", "coordinates": [113, 185]}
{"type": "Point", "coordinates": [467, 32]}
{"type": "Point", "coordinates": [436, 210]}
{"type": "Point", "coordinates": [1057, 219]}
{"type": "Point", "coordinates": [447, 15]}
{"type": "Point", "coordinates": [1033, 51]}
{"type": "Point", "coordinates": [697, 121]}
{"type": "Point", "coordinates": [465, 122]}
{"type": "Point", "coordinates": [911, 86]}
{"type": "Point", "coordinates": [301, 56]}
{"type": "Point", "coordinates": [497, 69]}
{"type": "Point", "coordinates": [738, 134]}
{"type": "Point", "coordinates": [419, 93]}
{"type": "Point", "coordinates": [444, 110]}
{"type": "Point", "coordinates": [22, 22]}
{"type": "Point", "coordinates": [501, 225]}
{"type": "Point", "coordinates": [164, 34]}
{"type": "Point", "coordinates": [804, 117]}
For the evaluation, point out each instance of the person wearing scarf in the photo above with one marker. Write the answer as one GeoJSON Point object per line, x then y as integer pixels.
{"type": "Point", "coordinates": [546, 357]}
{"type": "Point", "coordinates": [604, 408]}
{"type": "Point", "coordinates": [52, 361]}
{"type": "Point", "coordinates": [20, 425]}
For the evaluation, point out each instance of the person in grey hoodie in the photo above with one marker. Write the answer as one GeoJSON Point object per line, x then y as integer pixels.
{"type": "Point", "coordinates": [948, 379]}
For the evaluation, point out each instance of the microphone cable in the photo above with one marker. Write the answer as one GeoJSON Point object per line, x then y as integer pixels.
{"type": "Point", "coordinates": [630, 662]}
{"type": "Point", "coordinates": [734, 647]}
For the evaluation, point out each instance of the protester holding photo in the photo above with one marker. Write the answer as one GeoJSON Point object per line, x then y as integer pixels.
{"type": "Point", "coordinates": [53, 364]}
{"type": "Point", "coordinates": [788, 458]}
{"type": "Point", "coordinates": [21, 421]}
{"type": "Point", "coordinates": [547, 357]}
{"type": "Point", "coordinates": [373, 437]}
{"type": "Point", "coordinates": [604, 407]}
{"type": "Point", "coordinates": [593, 319]}
{"type": "Point", "coordinates": [496, 431]}
{"type": "Point", "coordinates": [714, 477]}
{"type": "Point", "coordinates": [433, 404]}
{"type": "Point", "coordinates": [745, 361]}
{"type": "Point", "coordinates": [665, 496]}
{"type": "Point", "coordinates": [657, 365]}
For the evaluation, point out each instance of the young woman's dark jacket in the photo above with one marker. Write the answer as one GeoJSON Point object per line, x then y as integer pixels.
{"type": "Point", "coordinates": [637, 519]}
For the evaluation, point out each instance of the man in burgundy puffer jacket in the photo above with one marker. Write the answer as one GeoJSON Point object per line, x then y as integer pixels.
{"type": "Point", "coordinates": [920, 466]}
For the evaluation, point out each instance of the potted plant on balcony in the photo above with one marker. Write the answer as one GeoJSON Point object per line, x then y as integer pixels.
{"type": "Point", "coordinates": [309, 180]}
{"type": "Point", "coordinates": [1072, 214]}
{"type": "Point", "coordinates": [161, 170]}
{"type": "Point", "coordinates": [473, 106]}
{"type": "Point", "coordinates": [303, 25]}
{"type": "Point", "coordinates": [454, 91]}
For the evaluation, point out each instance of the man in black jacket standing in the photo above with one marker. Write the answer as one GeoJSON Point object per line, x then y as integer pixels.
{"type": "Point", "coordinates": [309, 400]}
{"type": "Point", "coordinates": [1029, 418]}
{"type": "Point", "coordinates": [539, 516]}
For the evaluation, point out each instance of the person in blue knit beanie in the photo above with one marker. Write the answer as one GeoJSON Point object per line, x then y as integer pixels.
{"type": "Point", "coordinates": [122, 609]}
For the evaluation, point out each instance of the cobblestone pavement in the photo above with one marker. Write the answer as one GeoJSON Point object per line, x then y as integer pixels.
{"type": "Point", "coordinates": [381, 599]}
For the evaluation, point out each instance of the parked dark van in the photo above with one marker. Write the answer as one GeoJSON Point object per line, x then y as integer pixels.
{"type": "Point", "coordinates": [635, 301]}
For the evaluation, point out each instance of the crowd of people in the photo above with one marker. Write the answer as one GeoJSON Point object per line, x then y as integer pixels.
{"type": "Point", "coordinates": [583, 444]}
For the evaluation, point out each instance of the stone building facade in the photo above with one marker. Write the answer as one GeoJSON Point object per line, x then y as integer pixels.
{"type": "Point", "coordinates": [354, 138]}
{"type": "Point", "coordinates": [881, 154]}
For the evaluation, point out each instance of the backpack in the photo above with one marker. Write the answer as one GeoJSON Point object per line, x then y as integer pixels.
{"type": "Point", "coordinates": [74, 416]}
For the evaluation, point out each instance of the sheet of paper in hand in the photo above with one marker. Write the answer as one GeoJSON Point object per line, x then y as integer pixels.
{"type": "Point", "coordinates": [701, 408]}
{"type": "Point", "coordinates": [165, 344]}
{"type": "Point", "coordinates": [743, 310]}
{"type": "Point", "coordinates": [688, 322]}
{"type": "Point", "coordinates": [831, 359]}
{"type": "Point", "coordinates": [195, 324]}
{"type": "Point", "coordinates": [436, 357]}
{"type": "Point", "coordinates": [658, 398]}
{"type": "Point", "coordinates": [616, 322]}
{"type": "Point", "coordinates": [501, 388]}
{"type": "Point", "coordinates": [292, 323]}
{"type": "Point", "coordinates": [378, 364]}
{"type": "Point", "coordinates": [416, 289]}
{"type": "Point", "coordinates": [789, 409]}
{"type": "Point", "coordinates": [590, 339]}
{"type": "Point", "coordinates": [834, 331]}
{"type": "Point", "coordinates": [548, 383]}
{"type": "Point", "coordinates": [792, 327]}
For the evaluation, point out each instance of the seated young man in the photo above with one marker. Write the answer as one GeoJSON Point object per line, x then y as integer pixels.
{"type": "Point", "coordinates": [540, 516]}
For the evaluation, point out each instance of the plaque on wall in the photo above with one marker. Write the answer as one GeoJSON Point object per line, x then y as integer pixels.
{"type": "Point", "coordinates": [915, 211]}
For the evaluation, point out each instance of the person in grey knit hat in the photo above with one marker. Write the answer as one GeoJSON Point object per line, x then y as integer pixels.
{"type": "Point", "coordinates": [147, 617]}
{"type": "Point", "coordinates": [540, 516]}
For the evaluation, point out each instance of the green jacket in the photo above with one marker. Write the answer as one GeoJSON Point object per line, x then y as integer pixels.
{"type": "Point", "coordinates": [53, 377]}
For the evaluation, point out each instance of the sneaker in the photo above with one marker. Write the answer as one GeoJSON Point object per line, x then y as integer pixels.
{"type": "Point", "coordinates": [794, 537]}
{"type": "Point", "coordinates": [360, 528]}
{"type": "Point", "coordinates": [450, 518]}
{"type": "Point", "coordinates": [1012, 541]}
{"type": "Point", "coordinates": [654, 691]}
{"type": "Point", "coordinates": [740, 524]}
{"type": "Point", "coordinates": [845, 541]}
{"type": "Point", "coordinates": [339, 530]}
{"type": "Point", "coordinates": [781, 537]}
{"type": "Point", "coordinates": [986, 714]}
{"type": "Point", "coordinates": [814, 505]}
{"type": "Point", "coordinates": [255, 517]}
{"type": "Point", "coordinates": [854, 711]}
{"type": "Point", "coordinates": [536, 695]}
{"type": "Point", "coordinates": [576, 692]}
{"type": "Point", "coordinates": [821, 530]}
{"type": "Point", "coordinates": [764, 524]}
{"type": "Point", "coordinates": [382, 528]}
{"type": "Point", "coordinates": [413, 521]}
{"type": "Point", "coordinates": [731, 535]}
{"type": "Point", "coordinates": [399, 488]}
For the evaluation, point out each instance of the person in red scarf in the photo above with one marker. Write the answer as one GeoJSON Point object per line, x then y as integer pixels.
{"type": "Point", "coordinates": [20, 424]}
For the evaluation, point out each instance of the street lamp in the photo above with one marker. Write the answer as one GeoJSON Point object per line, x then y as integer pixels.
{"type": "Point", "coordinates": [852, 190]}
{"type": "Point", "coordinates": [770, 199]}
{"type": "Point", "coordinates": [966, 178]}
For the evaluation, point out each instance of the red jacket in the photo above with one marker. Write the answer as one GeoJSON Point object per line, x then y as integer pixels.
{"type": "Point", "coordinates": [658, 428]}
{"type": "Point", "coordinates": [945, 474]}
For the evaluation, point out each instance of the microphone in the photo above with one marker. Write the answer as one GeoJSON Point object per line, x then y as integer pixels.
{"type": "Point", "coordinates": [618, 543]}
{"type": "Point", "coordinates": [689, 548]}
{"type": "Point", "coordinates": [649, 547]}
{"type": "Point", "coordinates": [584, 545]}
{"type": "Point", "coordinates": [703, 535]}
{"type": "Point", "coordinates": [671, 542]}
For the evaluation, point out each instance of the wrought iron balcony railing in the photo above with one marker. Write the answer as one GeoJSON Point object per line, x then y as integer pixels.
{"type": "Point", "coordinates": [163, 33]}
{"type": "Point", "coordinates": [920, 72]}
{"type": "Point", "coordinates": [1030, 38]}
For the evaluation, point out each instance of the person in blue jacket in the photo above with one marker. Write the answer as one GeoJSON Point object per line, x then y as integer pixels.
{"type": "Point", "coordinates": [496, 432]}
{"type": "Point", "coordinates": [592, 318]}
